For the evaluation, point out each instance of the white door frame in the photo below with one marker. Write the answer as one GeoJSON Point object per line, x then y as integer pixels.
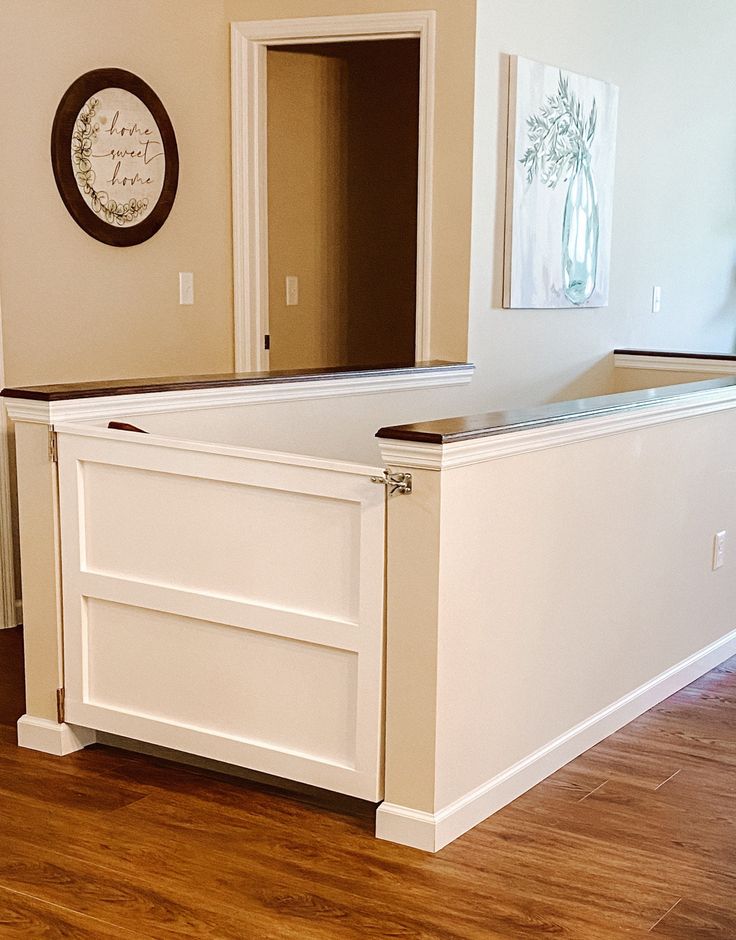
{"type": "Point", "coordinates": [9, 606]}
{"type": "Point", "coordinates": [250, 196]}
{"type": "Point", "coordinates": [10, 610]}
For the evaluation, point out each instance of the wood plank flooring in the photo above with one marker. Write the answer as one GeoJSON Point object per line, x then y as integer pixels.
{"type": "Point", "coordinates": [636, 838]}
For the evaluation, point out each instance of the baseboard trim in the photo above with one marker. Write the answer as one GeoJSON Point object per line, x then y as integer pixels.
{"type": "Point", "coordinates": [433, 831]}
{"type": "Point", "coordinates": [407, 826]}
{"type": "Point", "coordinates": [672, 363]}
{"type": "Point", "coordinates": [40, 734]}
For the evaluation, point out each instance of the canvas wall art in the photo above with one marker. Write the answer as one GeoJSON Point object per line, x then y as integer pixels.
{"type": "Point", "coordinates": [561, 156]}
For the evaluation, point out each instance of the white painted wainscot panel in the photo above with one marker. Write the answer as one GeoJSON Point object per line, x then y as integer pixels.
{"type": "Point", "coordinates": [225, 604]}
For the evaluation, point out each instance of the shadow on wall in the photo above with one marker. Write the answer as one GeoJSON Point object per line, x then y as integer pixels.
{"type": "Point", "coordinates": [727, 311]}
{"type": "Point", "coordinates": [596, 380]}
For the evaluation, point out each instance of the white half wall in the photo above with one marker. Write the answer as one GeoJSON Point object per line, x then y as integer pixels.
{"type": "Point", "coordinates": [575, 590]}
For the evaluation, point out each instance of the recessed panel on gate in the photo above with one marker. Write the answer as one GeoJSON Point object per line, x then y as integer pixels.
{"type": "Point", "coordinates": [259, 544]}
{"type": "Point", "coordinates": [217, 678]}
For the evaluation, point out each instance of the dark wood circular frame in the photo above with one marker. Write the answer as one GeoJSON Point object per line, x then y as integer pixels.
{"type": "Point", "coordinates": [74, 99]}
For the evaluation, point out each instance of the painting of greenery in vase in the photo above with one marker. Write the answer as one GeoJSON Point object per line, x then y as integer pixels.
{"type": "Point", "coordinates": [562, 141]}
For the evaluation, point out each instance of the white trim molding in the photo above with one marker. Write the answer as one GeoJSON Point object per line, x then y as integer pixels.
{"type": "Point", "coordinates": [565, 429]}
{"type": "Point", "coordinates": [250, 216]}
{"type": "Point", "coordinates": [682, 363]}
{"type": "Point", "coordinates": [9, 605]}
{"type": "Point", "coordinates": [67, 430]}
{"type": "Point", "coordinates": [433, 831]}
{"type": "Point", "coordinates": [40, 734]}
{"type": "Point", "coordinates": [142, 403]}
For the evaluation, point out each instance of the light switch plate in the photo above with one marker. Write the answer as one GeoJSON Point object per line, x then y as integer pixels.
{"type": "Point", "coordinates": [186, 287]}
{"type": "Point", "coordinates": [719, 549]}
{"type": "Point", "coordinates": [656, 299]}
{"type": "Point", "coordinates": [292, 291]}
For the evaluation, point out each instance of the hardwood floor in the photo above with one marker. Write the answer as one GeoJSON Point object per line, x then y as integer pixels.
{"type": "Point", "coordinates": [636, 838]}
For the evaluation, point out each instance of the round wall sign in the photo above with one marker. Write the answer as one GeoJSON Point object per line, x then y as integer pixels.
{"type": "Point", "coordinates": [114, 156]}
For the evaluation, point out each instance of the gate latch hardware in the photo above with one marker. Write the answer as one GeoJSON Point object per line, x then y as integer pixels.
{"type": "Point", "coordinates": [396, 482]}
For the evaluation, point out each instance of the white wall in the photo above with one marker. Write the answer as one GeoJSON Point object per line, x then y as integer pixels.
{"type": "Point", "coordinates": [674, 197]}
{"type": "Point", "coordinates": [596, 579]}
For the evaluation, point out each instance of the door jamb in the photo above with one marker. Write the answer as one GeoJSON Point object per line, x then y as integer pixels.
{"type": "Point", "coordinates": [9, 605]}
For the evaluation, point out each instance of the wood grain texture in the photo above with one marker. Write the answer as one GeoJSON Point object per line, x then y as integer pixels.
{"type": "Point", "coordinates": [633, 839]}
{"type": "Point", "coordinates": [24, 916]}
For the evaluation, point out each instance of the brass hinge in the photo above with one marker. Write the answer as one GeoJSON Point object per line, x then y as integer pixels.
{"type": "Point", "coordinates": [53, 448]}
{"type": "Point", "coordinates": [395, 481]}
{"type": "Point", "coordinates": [60, 706]}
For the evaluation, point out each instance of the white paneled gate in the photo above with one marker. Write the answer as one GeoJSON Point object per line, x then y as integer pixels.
{"type": "Point", "coordinates": [225, 602]}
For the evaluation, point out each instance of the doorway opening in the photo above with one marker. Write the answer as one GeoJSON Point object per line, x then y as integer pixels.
{"type": "Point", "coordinates": [342, 171]}
{"type": "Point", "coordinates": [340, 107]}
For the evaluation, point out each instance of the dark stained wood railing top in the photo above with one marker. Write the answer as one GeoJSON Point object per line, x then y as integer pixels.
{"type": "Point", "coordinates": [470, 427]}
{"type": "Point", "coordinates": [181, 383]}
{"type": "Point", "coordinates": [672, 354]}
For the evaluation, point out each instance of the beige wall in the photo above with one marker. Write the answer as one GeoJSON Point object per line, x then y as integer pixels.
{"type": "Point", "coordinates": [630, 380]}
{"type": "Point", "coordinates": [76, 309]}
{"type": "Point", "coordinates": [674, 213]}
{"type": "Point", "coordinates": [307, 208]}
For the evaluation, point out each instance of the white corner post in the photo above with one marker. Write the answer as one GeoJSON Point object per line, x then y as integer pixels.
{"type": "Point", "coordinates": [42, 727]}
{"type": "Point", "coordinates": [9, 606]}
{"type": "Point", "coordinates": [419, 639]}
{"type": "Point", "coordinates": [407, 815]}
